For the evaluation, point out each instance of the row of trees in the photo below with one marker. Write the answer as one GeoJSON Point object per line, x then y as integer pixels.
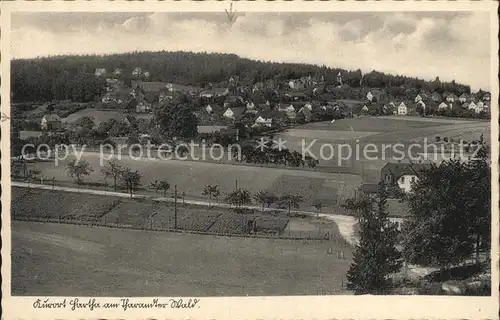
{"type": "Point", "coordinates": [450, 219]}
{"type": "Point", "coordinates": [270, 154]}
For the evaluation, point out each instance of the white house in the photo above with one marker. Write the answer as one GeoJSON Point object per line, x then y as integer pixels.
{"type": "Point", "coordinates": [250, 105]}
{"type": "Point", "coordinates": [402, 109]}
{"type": "Point", "coordinates": [99, 72]}
{"type": "Point", "coordinates": [402, 174]}
{"type": "Point", "coordinates": [364, 109]}
{"type": "Point", "coordinates": [451, 97]}
{"type": "Point", "coordinates": [229, 113]}
{"type": "Point", "coordinates": [472, 106]}
{"type": "Point", "coordinates": [209, 109]}
{"type": "Point", "coordinates": [369, 96]}
{"type": "Point", "coordinates": [290, 108]}
{"type": "Point", "coordinates": [463, 98]}
{"type": "Point", "coordinates": [421, 103]}
{"type": "Point", "coordinates": [263, 122]}
{"type": "Point", "coordinates": [418, 98]}
{"type": "Point", "coordinates": [443, 106]}
{"type": "Point", "coordinates": [146, 74]}
{"type": "Point", "coordinates": [137, 71]}
{"type": "Point", "coordinates": [308, 106]}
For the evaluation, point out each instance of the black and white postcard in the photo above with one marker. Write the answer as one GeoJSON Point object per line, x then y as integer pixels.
{"type": "Point", "coordinates": [257, 160]}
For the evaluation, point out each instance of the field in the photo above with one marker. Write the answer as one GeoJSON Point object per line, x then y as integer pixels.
{"type": "Point", "coordinates": [68, 260]}
{"type": "Point", "coordinates": [100, 115]}
{"type": "Point", "coordinates": [136, 213]}
{"type": "Point", "coordinates": [376, 131]}
{"type": "Point", "coordinates": [59, 205]}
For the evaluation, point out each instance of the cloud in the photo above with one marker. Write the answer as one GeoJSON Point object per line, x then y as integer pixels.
{"type": "Point", "coordinates": [444, 44]}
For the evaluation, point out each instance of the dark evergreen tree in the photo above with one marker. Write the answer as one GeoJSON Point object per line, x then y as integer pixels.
{"type": "Point", "coordinates": [376, 256]}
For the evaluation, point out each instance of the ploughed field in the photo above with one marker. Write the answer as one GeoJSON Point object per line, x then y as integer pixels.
{"type": "Point", "coordinates": [70, 260]}
{"type": "Point", "coordinates": [80, 208]}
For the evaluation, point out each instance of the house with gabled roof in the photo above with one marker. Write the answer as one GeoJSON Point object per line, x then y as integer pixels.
{"type": "Point", "coordinates": [228, 113]}
{"type": "Point", "coordinates": [402, 174]}
{"type": "Point", "coordinates": [214, 93]}
{"type": "Point", "coordinates": [51, 122]}
{"type": "Point", "coordinates": [306, 113]}
{"type": "Point", "coordinates": [463, 97]}
{"type": "Point", "coordinates": [100, 72]}
{"type": "Point", "coordinates": [451, 97]}
{"type": "Point", "coordinates": [137, 71]}
{"type": "Point", "coordinates": [472, 106]}
{"type": "Point", "coordinates": [402, 109]}
{"type": "Point", "coordinates": [436, 97]}
{"type": "Point", "coordinates": [444, 106]}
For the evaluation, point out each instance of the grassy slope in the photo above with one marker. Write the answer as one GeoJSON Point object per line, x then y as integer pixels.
{"type": "Point", "coordinates": [66, 260]}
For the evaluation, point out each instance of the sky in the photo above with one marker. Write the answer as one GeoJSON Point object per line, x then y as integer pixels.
{"type": "Point", "coordinates": [451, 45]}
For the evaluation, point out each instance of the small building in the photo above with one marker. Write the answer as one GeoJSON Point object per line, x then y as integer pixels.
{"type": "Point", "coordinates": [100, 72]}
{"type": "Point", "coordinates": [209, 109]}
{"type": "Point", "coordinates": [402, 174]}
{"type": "Point", "coordinates": [142, 107]}
{"type": "Point", "coordinates": [308, 106]}
{"type": "Point", "coordinates": [146, 74]}
{"type": "Point", "coordinates": [51, 122]}
{"type": "Point", "coordinates": [369, 96]}
{"type": "Point", "coordinates": [260, 121]}
{"type": "Point", "coordinates": [137, 71]}
{"type": "Point", "coordinates": [117, 72]}
{"type": "Point", "coordinates": [486, 96]}
{"type": "Point", "coordinates": [472, 106]}
{"type": "Point", "coordinates": [402, 109]}
{"type": "Point", "coordinates": [173, 87]}
{"type": "Point", "coordinates": [296, 84]}
{"type": "Point", "coordinates": [305, 113]}
{"type": "Point", "coordinates": [463, 98]}
{"type": "Point", "coordinates": [228, 113]}
{"type": "Point", "coordinates": [214, 93]}
{"type": "Point", "coordinates": [436, 97]}
{"type": "Point", "coordinates": [250, 105]}
{"type": "Point", "coordinates": [444, 106]}
{"type": "Point", "coordinates": [451, 97]}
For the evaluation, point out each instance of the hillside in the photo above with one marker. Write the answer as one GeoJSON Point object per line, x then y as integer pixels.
{"type": "Point", "coordinates": [72, 77]}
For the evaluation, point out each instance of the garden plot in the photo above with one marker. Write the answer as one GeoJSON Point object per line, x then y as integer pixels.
{"type": "Point", "coordinates": [46, 204]}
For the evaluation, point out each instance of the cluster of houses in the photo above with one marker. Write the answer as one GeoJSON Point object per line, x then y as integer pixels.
{"type": "Point", "coordinates": [426, 102]}
{"type": "Point", "coordinates": [292, 100]}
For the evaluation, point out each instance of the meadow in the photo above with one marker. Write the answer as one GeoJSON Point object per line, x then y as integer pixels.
{"type": "Point", "coordinates": [68, 260]}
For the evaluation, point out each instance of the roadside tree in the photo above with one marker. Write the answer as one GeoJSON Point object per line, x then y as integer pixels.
{"type": "Point", "coordinates": [113, 169]}
{"type": "Point", "coordinates": [265, 197]}
{"type": "Point", "coordinates": [158, 185]}
{"type": "Point", "coordinates": [79, 169]}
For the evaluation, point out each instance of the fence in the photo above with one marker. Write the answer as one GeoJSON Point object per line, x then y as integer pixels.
{"type": "Point", "coordinates": [306, 238]}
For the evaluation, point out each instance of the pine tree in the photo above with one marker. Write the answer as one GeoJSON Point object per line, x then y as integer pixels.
{"type": "Point", "coordinates": [376, 256]}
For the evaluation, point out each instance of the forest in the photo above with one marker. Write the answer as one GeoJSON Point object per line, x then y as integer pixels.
{"type": "Point", "coordinates": [72, 77]}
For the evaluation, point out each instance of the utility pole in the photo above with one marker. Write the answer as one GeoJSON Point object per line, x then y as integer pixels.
{"type": "Point", "coordinates": [175, 207]}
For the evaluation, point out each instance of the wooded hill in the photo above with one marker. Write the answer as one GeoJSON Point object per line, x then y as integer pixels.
{"type": "Point", "coordinates": [72, 77]}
